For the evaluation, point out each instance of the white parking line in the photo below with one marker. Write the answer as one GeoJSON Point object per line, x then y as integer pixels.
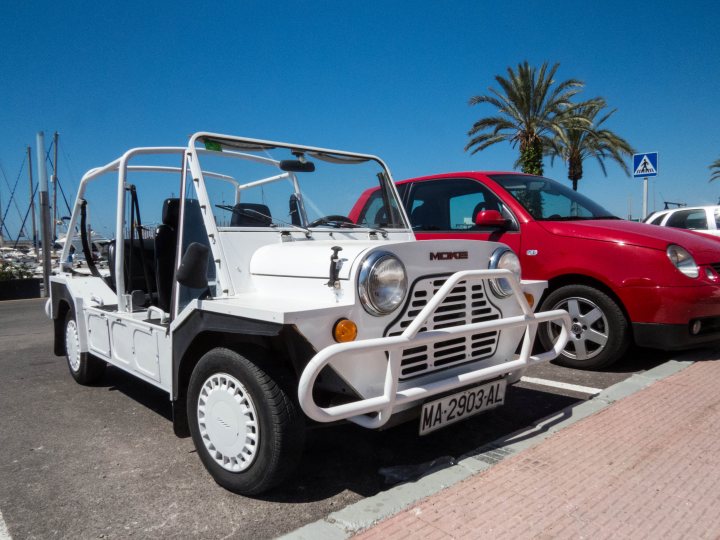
{"type": "Point", "coordinates": [4, 534]}
{"type": "Point", "coordinates": [562, 385]}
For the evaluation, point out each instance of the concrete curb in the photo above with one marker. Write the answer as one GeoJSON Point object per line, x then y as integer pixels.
{"type": "Point", "coordinates": [365, 513]}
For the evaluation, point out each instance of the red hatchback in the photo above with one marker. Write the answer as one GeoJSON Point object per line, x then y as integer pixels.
{"type": "Point", "coordinates": [622, 282]}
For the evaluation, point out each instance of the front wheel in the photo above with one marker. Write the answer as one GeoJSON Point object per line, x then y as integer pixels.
{"type": "Point", "coordinates": [84, 368]}
{"type": "Point", "coordinates": [247, 430]}
{"type": "Point", "coordinates": [599, 332]}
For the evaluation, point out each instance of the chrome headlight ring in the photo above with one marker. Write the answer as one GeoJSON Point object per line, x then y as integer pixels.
{"type": "Point", "coordinates": [503, 258]}
{"type": "Point", "coordinates": [382, 283]}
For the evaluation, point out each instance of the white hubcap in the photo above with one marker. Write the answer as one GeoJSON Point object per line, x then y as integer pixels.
{"type": "Point", "coordinates": [72, 345]}
{"type": "Point", "coordinates": [228, 422]}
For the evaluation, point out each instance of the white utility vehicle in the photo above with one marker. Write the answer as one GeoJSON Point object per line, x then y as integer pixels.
{"type": "Point", "coordinates": [263, 302]}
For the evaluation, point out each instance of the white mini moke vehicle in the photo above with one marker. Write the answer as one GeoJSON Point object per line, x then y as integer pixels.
{"type": "Point", "coordinates": [262, 301]}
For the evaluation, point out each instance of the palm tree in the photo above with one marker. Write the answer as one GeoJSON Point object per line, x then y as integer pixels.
{"type": "Point", "coordinates": [716, 172]}
{"type": "Point", "coordinates": [579, 140]}
{"type": "Point", "coordinates": [531, 108]}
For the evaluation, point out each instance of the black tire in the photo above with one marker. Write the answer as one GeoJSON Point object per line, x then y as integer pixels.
{"type": "Point", "coordinates": [85, 368]}
{"type": "Point", "coordinates": [222, 380]}
{"type": "Point", "coordinates": [600, 334]}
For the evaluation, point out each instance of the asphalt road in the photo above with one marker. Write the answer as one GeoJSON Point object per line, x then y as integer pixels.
{"type": "Point", "coordinates": [103, 462]}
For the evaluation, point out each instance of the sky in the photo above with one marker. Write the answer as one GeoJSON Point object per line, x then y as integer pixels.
{"type": "Point", "coordinates": [389, 78]}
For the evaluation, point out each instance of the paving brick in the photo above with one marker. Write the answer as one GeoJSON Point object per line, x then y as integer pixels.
{"type": "Point", "coordinates": [648, 466]}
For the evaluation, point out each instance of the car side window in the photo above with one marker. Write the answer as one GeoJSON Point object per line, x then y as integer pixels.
{"type": "Point", "coordinates": [657, 219]}
{"type": "Point", "coordinates": [717, 218]}
{"type": "Point", "coordinates": [450, 204]}
{"type": "Point", "coordinates": [688, 219]}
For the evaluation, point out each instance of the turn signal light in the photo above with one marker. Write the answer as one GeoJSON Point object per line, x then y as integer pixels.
{"type": "Point", "coordinates": [344, 330]}
{"type": "Point", "coordinates": [530, 299]}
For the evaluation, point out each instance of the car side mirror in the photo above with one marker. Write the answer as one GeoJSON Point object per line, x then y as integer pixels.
{"type": "Point", "coordinates": [491, 218]}
{"type": "Point", "coordinates": [193, 267]}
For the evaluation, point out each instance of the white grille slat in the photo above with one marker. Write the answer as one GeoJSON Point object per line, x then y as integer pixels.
{"type": "Point", "coordinates": [466, 303]}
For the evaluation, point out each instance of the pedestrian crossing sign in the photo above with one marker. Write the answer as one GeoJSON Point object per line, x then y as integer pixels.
{"type": "Point", "coordinates": [645, 165]}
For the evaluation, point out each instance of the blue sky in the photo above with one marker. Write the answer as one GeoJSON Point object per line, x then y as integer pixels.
{"type": "Point", "coordinates": [390, 78]}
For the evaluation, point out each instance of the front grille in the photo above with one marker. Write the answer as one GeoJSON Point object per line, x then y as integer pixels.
{"type": "Point", "coordinates": [716, 267]}
{"type": "Point", "coordinates": [467, 303]}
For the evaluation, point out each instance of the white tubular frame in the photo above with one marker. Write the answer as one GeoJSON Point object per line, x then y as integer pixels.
{"type": "Point", "coordinates": [384, 404]}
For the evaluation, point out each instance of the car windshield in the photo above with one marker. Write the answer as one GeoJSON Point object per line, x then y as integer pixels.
{"type": "Point", "coordinates": [547, 200]}
{"type": "Point", "coordinates": [264, 185]}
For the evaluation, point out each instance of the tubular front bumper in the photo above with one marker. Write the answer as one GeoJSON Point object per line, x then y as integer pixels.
{"type": "Point", "coordinates": [382, 406]}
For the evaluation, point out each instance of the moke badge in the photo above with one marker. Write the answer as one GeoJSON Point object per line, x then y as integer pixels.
{"type": "Point", "coordinates": [447, 255]}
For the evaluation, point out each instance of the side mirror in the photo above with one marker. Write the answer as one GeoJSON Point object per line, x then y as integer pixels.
{"type": "Point", "coordinates": [193, 267]}
{"type": "Point", "coordinates": [491, 218]}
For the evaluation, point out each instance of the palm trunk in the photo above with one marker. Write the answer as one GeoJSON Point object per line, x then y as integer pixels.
{"type": "Point", "coordinates": [575, 171]}
{"type": "Point", "coordinates": [531, 158]}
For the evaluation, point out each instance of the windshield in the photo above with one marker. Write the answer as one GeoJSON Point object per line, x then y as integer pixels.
{"type": "Point", "coordinates": [547, 200]}
{"type": "Point", "coordinates": [282, 187]}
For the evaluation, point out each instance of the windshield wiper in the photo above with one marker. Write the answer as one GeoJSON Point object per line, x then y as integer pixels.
{"type": "Point", "coordinates": [338, 224]}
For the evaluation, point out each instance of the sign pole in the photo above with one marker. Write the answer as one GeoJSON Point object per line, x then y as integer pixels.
{"type": "Point", "coordinates": [645, 197]}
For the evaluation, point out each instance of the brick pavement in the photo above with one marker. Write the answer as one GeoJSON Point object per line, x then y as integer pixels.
{"type": "Point", "coordinates": [646, 467]}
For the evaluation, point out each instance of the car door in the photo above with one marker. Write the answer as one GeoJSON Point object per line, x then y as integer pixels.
{"type": "Point", "coordinates": [446, 208]}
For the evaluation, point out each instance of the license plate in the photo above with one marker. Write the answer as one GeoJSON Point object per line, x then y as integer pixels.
{"type": "Point", "coordinates": [456, 407]}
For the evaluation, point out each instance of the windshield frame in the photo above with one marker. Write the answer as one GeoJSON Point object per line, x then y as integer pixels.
{"type": "Point", "coordinates": [596, 210]}
{"type": "Point", "coordinates": [206, 143]}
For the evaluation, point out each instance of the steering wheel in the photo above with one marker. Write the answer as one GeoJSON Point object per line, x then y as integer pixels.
{"type": "Point", "coordinates": [332, 219]}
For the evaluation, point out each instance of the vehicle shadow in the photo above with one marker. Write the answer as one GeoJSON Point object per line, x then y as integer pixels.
{"type": "Point", "coordinates": [147, 395]}
{"type": "Point", "coordinates": [350, 458]}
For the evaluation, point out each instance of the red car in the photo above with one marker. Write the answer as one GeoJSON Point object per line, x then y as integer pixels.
{"type": "Point", "coordinates": [622, 282]}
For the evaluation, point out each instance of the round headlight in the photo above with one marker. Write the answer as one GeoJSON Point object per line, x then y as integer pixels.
{"type": "Point", "coordinates": [682, 260]}
{"type": "Point", "coordinates": [382, 283]}
{"type": "Point", "coordinates": [506, 259]}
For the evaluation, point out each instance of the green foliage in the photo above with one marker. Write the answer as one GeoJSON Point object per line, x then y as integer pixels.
{"type": "Point", "coordinates": [10, 270]}
{"type": "Point", "coordinates": [586, 138]}
{"type": "Point", "coordinates": [538, 114]}
{"type": "Point", "coordinates": [530, 107]}
{"type": "Point", "coordinates": [531, 158]}
{"type": "Point", "coordinates": [715, 170]}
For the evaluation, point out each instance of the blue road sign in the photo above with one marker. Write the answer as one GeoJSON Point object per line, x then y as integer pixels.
{"type": "Point", "coordinates": [645, 165]}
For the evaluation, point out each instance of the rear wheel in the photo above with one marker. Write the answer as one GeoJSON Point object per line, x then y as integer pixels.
{"type": "Point", "coordinates": [84, 368]}
{"type": "Point", "coordinates": [247, 430]}
{"type": "Point", "coordinates": [599, 333]}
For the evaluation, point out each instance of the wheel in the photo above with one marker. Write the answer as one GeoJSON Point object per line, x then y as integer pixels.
{"type": "Point", "coordinates": [84, 368]}
{"type": "Point", "coordinates": [247, 430]}
{"type": "Point", "coordinates": [599, 334]}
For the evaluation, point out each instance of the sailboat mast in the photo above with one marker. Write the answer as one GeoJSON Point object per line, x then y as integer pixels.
{"type": "Point", "coordinates": [32, 204]}
{"type": "Point", "coordinates": [54, 183]}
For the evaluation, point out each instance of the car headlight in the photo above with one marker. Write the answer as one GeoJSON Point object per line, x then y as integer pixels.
{"type": "Point", "coordinates": [382, 283]}
{"type": "Point", "coordinates": [506, 259]}
{"type": "Point", "coordinates": [682, 260]}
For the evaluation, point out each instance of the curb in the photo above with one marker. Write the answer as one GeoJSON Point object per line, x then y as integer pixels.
{"type": "Point", "coordinates": [363, 514]}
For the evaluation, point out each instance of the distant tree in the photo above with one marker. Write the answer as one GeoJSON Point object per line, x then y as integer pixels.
{"type": "Point", "coordinates": [715, 170]}
{"type": "Point", "coordinates": [531, 108]}
{"type": "Point", "coordinates": [583, 136]}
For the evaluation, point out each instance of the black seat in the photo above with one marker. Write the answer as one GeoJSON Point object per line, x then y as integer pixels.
{"type": "Point", "coordinates": [426, 217]}
{"type": "Point", "coordinates": [166, 237]}
{"type": "Point", "coordinates": [250, 215]}
{"type": "Point", "coordinates": [135, 274]}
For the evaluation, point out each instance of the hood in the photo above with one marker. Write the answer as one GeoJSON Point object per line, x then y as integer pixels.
{"type": "Point", "coordinates": [307, 259]}
{"type": "Point", "coordinates": [703, 248]}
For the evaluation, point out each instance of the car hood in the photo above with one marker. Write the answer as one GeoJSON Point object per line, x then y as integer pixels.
{"type": "Point", "coordinates": [704, 249]}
